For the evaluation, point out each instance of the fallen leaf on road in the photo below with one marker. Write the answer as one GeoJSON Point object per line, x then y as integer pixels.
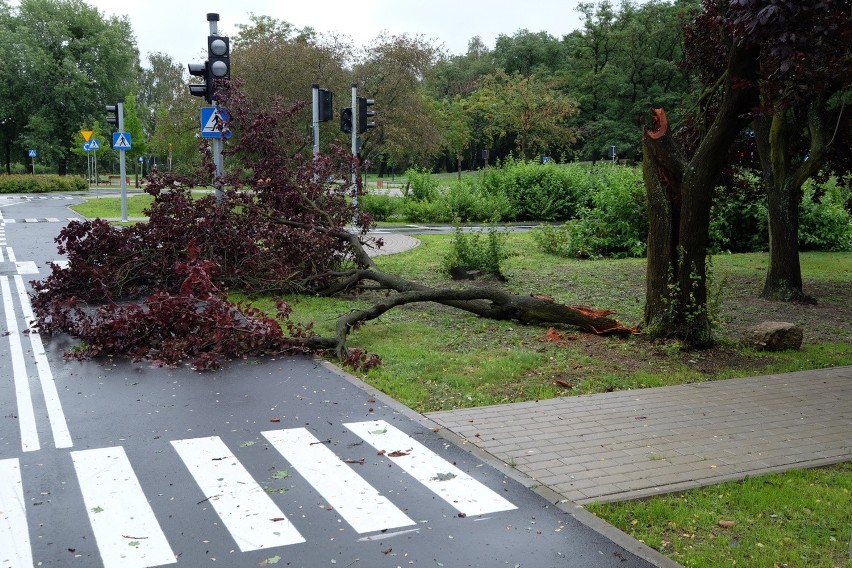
{"type": "Point", "coordinates": [275, 420]}
{"type": "Point", "coordinates": [398, 454]}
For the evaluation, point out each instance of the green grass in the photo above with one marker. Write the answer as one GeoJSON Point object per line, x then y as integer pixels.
{"type": "Point", "coordinates": [797, 518]}
{"type": "Point", "coordinates": [110, 207]}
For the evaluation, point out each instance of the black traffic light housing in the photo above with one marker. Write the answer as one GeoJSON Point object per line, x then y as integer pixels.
{"type": "Point", "coordinates": [364, 114]}
{"type": "Point", "coordinates": [112, 115]}
{"type": "Point", "coordinates": [346, 120]}
{"type": "Point", "coordinates": [325, 111]}
{"type": "Point", "coordinates": [219, 56]}
{"type": "Point", "coordinates": [204, 89]}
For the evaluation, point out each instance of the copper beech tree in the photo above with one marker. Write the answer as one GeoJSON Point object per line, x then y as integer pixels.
{"type": "Point", "coordinates": [158, 290]}
{"type": "Point", "coordinates": [782, 68]}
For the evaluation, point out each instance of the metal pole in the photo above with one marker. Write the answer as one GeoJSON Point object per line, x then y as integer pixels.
{"type": "Point", "coordinates": [354, 139]}
{"type": "Point", "coordinates": [315, 124]}
{"type": "Point", "coordinates": [122, 167]}
{"type": "Point", "coordinates": [218, 160]}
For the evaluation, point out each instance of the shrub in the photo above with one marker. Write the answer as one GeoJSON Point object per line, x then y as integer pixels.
{"type": "Point", "coordinates": [41, 183]}
{"type": "Point", "coordinates": [421, 185]}
{"type": "Point", "coordinates": [824, 222]}
{"type": "Point", "coordinates": [614, 224]}
{"type": "Point", "coordinates": [427, 211]}
{"type": "Point", "coordinates": [477, 250]}
{"type": "Point", "coordinates": [467, 201]}
{"type": "Point", "coordinates": [738, 216]}
{"type": "Point", "coordinates": [535, 191]}
{"type": "Point", "coordinates": [382, 207]}
{"type": "Point", "coordinates": [552, 239]}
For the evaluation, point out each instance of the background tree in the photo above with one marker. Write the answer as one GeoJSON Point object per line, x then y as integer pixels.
{"type": "Point", "coordinates": [529, 112]}
{"type": "Point", "coordinates": [160, 85]}
{"type": "Point", "coordinates": [456, 126]}
{"type": "Point", "coordinates": [392, 70]}
{"type": "Point", "coordinates": [69, 60]}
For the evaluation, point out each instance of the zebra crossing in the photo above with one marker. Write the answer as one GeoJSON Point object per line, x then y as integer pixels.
{"type": "Point", "coordinates": [118, 509]}
{"type": "Point", "coordinates": [39, 220]}
{"type": "Point", "coordinates": [27, 197]}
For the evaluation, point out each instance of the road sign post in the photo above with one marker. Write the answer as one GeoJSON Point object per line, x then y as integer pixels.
{"type": "Point", "coordinates": [121, 142]}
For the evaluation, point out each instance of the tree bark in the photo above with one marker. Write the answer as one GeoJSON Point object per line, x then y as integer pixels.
{"type": "Point", "coordinates": [490, 303]}
{"type": "Point", "coordinates": [679, 196]}
{"type": "Point", "coordinates": [783, 181]}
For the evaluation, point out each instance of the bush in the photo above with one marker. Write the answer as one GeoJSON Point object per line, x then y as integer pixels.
{"type": "Point", "coordinates": [614, 224]}
{"type": "Point", "coordinates": [382, 207]}
{"type": "Point", "coordinates": [738, 218]}
{"type": "Point", "coordinates": [421, 186]}
{"type": "Point", "coordinates": [477, 251]}
{"type": "Point", "coordinates": [467, 201]}
{"type": "Point", "coordinates": [427, 211]}
{"type": "Point", "coordinates": [824, 222]}
{"type": "Point", "coordinates": [41, 183]}
{"type": "Point", "coordinates": [535, 191]}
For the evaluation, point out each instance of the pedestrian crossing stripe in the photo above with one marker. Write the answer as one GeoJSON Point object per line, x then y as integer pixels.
{"type": "Point", "coordinates": [15, 550]}
{"type": "Point", "coordinates": [250, 514]}
{"type": "Point", "coordinates": [116, 505]}
{"type": "Point", "coordinates": [354, 499]}
{"type": "Point", "coordinates": [118, 508]}
{"type": "Point", "coordinates": [453, 485]}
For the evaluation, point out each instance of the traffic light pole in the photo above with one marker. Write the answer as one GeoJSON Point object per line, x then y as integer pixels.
{"type": "Point", "coordinates": [315, 123]}
{"type": "Point", "coordinates": [218, 160]}
{"type": "Point", "coordinates": [122, 167]}
{"type": "Point", "coordinates": [354, 140]}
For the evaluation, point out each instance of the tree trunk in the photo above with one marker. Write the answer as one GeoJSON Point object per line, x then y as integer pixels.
{"type": "Point", "coordinates": [783, 183]}
{"type": "Point", "coordinates": [679, 194]}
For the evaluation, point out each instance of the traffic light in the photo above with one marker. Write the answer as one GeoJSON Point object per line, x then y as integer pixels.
{"type": "Point", "coordinates": [112, 115]}
{"type": "Point", "coordinates": [346, 120]}
{"type": "Point", "coordinates": [364, 114]}
{"type": "Point", "coordinates": [204, 89]}
{"type": "Point", "coordinates": [325, 111]}
{"type": "Point", "coordinates": [219, 56]}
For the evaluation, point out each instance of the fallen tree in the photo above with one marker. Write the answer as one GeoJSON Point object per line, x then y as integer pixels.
{"type": "Point", "coordinates": [158, 290]}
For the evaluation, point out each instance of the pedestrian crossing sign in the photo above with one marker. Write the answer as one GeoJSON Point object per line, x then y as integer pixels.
{"type": "Point", "coordinates": [214, 123]}
{"type": "Point", "coordinates": [121, 140]}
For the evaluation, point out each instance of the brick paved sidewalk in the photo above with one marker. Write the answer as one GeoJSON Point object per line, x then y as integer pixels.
{"type": "Point", "coordinates": [630, 444]}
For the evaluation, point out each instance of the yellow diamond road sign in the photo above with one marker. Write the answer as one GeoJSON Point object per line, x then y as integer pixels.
{"type": "Point", "coordinates": [86, 134]}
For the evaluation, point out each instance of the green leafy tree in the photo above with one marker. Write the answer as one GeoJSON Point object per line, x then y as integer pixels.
{"type": "Point", "coordinates": [160, 85]}
{"type": "Point", "coordinates": [62, 61]}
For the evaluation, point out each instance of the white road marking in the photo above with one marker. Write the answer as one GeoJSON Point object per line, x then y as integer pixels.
{"type": "Point", "coordinates": [55, 414]}
{"type": "Point", "coordinates": [250, 515]}
{"type": "Point", "coordinates": [440, 476]}
{"type": "Point", "coordinates": [126, 530]}
{"type": "Point", "coordinates": [26, 414]}
{"type": "Point", "coordinates": [26, 267]}
{"type": "Point", "coordinates": [10, 254]}
{"type": "Point", "coordinates": [15, 550]}
{"type": "Point", "coordinates": [359, 503]}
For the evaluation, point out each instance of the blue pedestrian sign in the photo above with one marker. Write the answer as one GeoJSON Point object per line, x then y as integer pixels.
{"type": "Point", "coordinates": [213, 122]}
{"type": "Point", "coordinates": [32, 153]}
{"type": "Point", "coordinates": [121, 140]}
{"type": "Point", "coordinates": [92, 145]}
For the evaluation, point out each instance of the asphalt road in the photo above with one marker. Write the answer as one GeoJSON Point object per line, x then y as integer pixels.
{"type": "Point", "coordinates": [273, 462]}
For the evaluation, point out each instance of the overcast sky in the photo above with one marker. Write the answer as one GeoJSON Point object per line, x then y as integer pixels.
{"type": "Point", "coordinates": [179, 28]}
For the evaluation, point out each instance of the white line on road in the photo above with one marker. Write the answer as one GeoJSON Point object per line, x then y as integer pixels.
{"type": "Point", "coordinates": [15, 550]}
{"type": "Point", "coordinates": [250, 515]}
{"type": "Point", "coordinates": [124, 524]}
{"type": "Point", "coordinates": [26, 414]}
{"type": "Point", "coordinates": [55, 414]}
{"type": "Point", "coordinates": [359, 503]}
{"type": "Point", "coordinates": [443, 478]}
{"type": "Point", "coordinates": [11, 254]}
